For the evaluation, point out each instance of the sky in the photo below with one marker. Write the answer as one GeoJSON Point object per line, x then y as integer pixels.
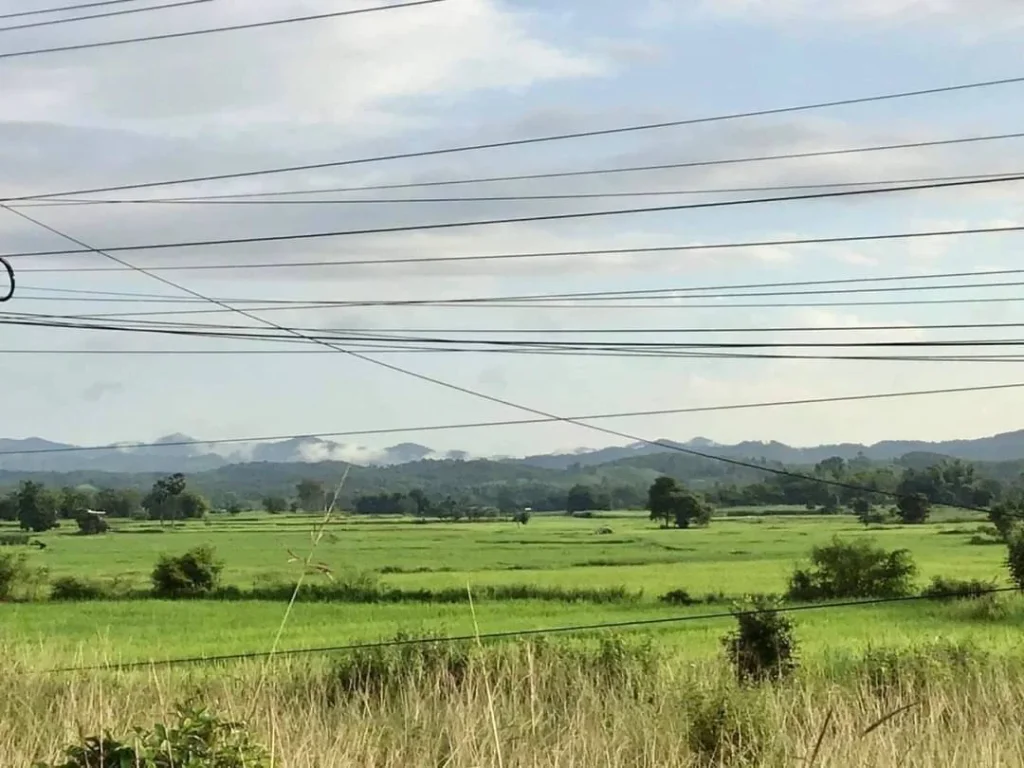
{"type": "Point", "coordinates": [463, 72]}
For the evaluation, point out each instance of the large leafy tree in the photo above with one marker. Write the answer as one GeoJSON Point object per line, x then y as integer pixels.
{"type": "Point", "coordinates": [164, 499]}
{"type": "Point", "coordinates": [310, 495]}
{"type": "Point", "coordinates": [914, 508]}
{"type": "Point", "coordinates": [37, 507]}
{"type": "Point", "coordinates": [670, 503]}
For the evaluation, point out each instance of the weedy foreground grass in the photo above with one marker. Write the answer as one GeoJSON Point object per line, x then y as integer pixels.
{"type": "Point", "coordinates": [556, 704]}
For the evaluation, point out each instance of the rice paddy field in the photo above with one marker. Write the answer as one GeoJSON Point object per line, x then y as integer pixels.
{"type": "Point", "coordinates": [562, 700]}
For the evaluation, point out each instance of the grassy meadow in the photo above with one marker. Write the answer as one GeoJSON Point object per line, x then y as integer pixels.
{"type": "Point", "coordinates": [659, 696]}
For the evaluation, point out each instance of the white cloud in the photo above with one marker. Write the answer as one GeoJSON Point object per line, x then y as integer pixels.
{"type": "Point", "coordinates": [349, 73]}
{"type": "Point", "coordinates": [970, 11]}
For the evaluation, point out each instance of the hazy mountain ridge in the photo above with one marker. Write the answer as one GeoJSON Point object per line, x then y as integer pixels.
{"type": "Point", "coordinates": [36, 454]}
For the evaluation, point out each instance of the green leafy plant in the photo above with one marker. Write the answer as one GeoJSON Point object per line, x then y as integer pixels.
{"type": "Point", "coordinates": [13, 570]}
{"type": "Point", "coordinates": [853, 569]}
{"type": "Point", "coordinates": [763, 646]}
{"type": "Point", "coordinates": [1015, 558]}
{"type": "Point", "coordinates": [194, 573]}
{"type": "Point", "coordinates": [196, 739]}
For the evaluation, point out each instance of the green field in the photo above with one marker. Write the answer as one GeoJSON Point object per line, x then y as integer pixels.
{"type": "Point", "coordinates": [552, 702]}
{"type": "Point", "coordinates": [734, 556]}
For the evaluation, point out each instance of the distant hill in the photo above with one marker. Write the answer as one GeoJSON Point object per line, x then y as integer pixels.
{"type": "Point", "coordinates": [1007, 446]}
{"type": "Point", "coordinates": [178, 453]}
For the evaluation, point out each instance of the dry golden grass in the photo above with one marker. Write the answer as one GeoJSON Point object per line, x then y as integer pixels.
{"type": "Point", "coordinates": [554, 706]}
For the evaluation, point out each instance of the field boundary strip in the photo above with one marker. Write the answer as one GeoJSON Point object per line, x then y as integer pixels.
{"type": "Point", "coordinates": [508, 634]}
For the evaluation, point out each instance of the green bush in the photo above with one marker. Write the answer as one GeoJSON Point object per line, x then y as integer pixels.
{"type": "Point", "coordinates": [853, 569]}
{"type": "Point", "coordinates": [763, 646]}
{"type": "Point", "coordinates": [678, 597]}
{"type": "Point", "coordinates": [1015, 558]}
{"type": "Point", "coordinates": [91, 525]}
{"type": "Point", "coordinates": [13, 571]}
{"type": "Point", "coordinates": [196, 739]}
{"type": "Point", "coordinates": [71, 589]}
{"type": "Point", "coordinates": [946, 588]}
{"type": "Point", "coordinates": [194, 573]}
{"type": "Point", "coordinates": [14, 540]}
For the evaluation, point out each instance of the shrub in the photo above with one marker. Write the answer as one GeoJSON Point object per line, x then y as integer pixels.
{"type": "Point", "coordinates": [945, 588]}
{"type": "Point", "coordinates": [92, 525]}
{"type": "Point", "coordinates": [194, 573]}
{"type": "Point", "coordinates": [1015, 558]}
{"type": "Point", "coordinates": [914, 509]}
{"type": "Point", "coordinates": [13, 571]}
{"type": "Point", "coordinates": [853, 569]}
{"type": "Point", "coordinates": [14, 540]}
{"type": "Point", "coordinates": [196, 740]}
{"type": "Point", "coordinates": [70, 589]}
{"type": "Point", "coordinates": [678, 597]}
{"type": "Point", "coordinates": [1006, 517]}
{"type": "Point", "coordinates": [763, 646]}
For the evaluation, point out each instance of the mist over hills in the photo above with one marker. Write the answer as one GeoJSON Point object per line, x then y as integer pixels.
{"type": "Point", "coordinates": [179, 453]}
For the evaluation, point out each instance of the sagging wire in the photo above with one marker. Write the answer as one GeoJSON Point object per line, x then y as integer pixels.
{"type": "Point", "coordinates": [10, 278]}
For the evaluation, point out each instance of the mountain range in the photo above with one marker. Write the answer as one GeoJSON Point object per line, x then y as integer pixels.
{"type": "Point", "coordinates": [181, 453]}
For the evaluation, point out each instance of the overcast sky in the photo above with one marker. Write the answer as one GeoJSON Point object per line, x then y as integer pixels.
{"type": "Point", "coordinates": [469, 71]}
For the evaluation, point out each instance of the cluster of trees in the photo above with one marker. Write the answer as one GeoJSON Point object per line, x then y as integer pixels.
{"type": "Point", "coordinates": [38, 508]}
{"type": "Point", "coordinates": [947, 482]}
{"type": "Point", "coordinates": [672, 504]}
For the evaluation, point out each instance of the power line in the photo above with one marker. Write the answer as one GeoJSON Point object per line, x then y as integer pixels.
{"type": "Point", "coordinates": [570, 307]}
{"type": "Point", "coordinates": [450, 385]}
{"type": "Point", "coordinates": [515, 633]}
{"type": "Point", "coordinates": [213, 30]}
{"type": "Point", "coordinates": [523, 219]}
{"type": "Point", "coordinates": [263, 198]}
{"type": "Point", "coordinates": [104, 15]}
{"type": "Point", "coordinates": [755, 244]}
{"type": "Point", "coordinates": [684, 293]}
{"type": "Point", "coordinates": [535, 139]}
{"type": "Point", "coordinates": [517, 422]}
{"type": "Point", "coordinates": [77, 7]}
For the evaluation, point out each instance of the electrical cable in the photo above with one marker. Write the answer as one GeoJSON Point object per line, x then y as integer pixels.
{"type": "Point", "coordinates": [530, 300]}
{"type": "Point", "coordinates": [753, 244]}
{"type": "Point", "coordinates": [535, 139]}
{"type": "Point", "coordinates": [574, 307]}
{"type": "Point", "coordinates": [59, 9]}
{"type": "Point", "coordinates": [523, 219]}
{"type": "Point", "coordinates": [262, 198]}
{"type": "Point", "coordinates": [407, 372]}
{"type": "Point", "coordinates": [104, 15]}
{"type": "Point", "coordinates": [213, 30]}
{"type": "Point", "coordinates": [9, 294]}
{"type": "Point", "coordinates": [511, 634]}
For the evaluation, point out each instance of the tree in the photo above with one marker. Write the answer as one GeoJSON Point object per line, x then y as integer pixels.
{"type": "Point", "coordinates": [9, 507]}
{"type": "Point", "coordinates": [275, 505]}
{"type": "Point", "coordinates": [73, 502]}
{"type": "Point", "coordinates": [690, 510]}
{"type": "Point", "coordinates": [1006, 517]}
{"type": "Point", "coordinates": [195, 572]}
{"type": "Point", "coordinates": [192, 506]}
{"type": "Point", "coordinates": [163, 499]}
{"type": "Point", "coordinates": [424, 507]}
{"type": "Point", "coordinates": [584, 499]}
{"type": "Point", "coordinates": [671, 503]}
{"type": "Point", "coordinates": [853, 569]}
{"type": "Point", "coordinates": [522, 517]}
{"type": "Point", "coordinates": [660, 500]}
{"type": "Point", "coordinates": [91, 524]}
{"type": "Point", "coordinates": [310, 495]}
{"type": "Point", "coordinates": [119, 502]}
{"type": "Point", "coordinates": [914, 509]}
{"type": "Point", "coordinates": [37, 507]}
